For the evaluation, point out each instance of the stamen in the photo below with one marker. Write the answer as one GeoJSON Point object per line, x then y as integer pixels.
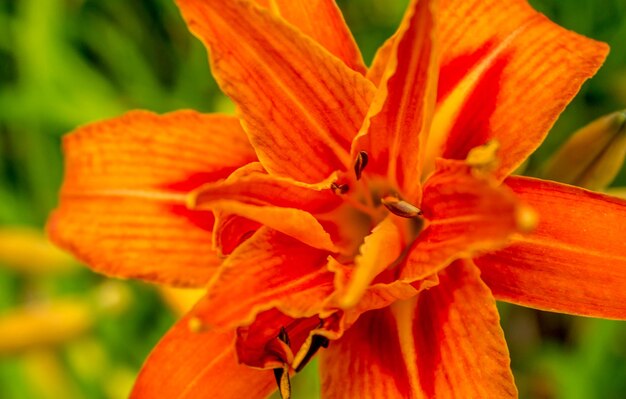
{"type": "Point", "coordinates": [283, 336]}
{"type": "Point", "coordinates": [339, 188]}
{"type": "Point", "coordinates": [310, 348]}
{"type": "Point", "coordinates": [282, 380]}
{"type": "Point", "coordinates": [360, 163]}
{"type": "Point", "coordinates": [401, 208]}
{"type": "Point", "coordinates": [281, 374]}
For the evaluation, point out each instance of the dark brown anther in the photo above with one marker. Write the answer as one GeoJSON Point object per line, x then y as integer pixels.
{"type": "Point", "coordinates": [339, 188]}
{"type": "Point", "coordinates": [283, 336]}
{"type": "Point", "coordinates": [401, 208]}
{"type": "Point", "coordinates": [316, 342]}
{"type": "Point", "coordinates": [282, 373]}
{"type": "Point", "coordinates": [282, 380]}
{"type": "Point", "coordinates": [360, 163]}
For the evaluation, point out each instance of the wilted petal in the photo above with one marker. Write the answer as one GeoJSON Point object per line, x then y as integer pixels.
{"type": "Point", "coordinates": [574, 262]}
{"type": "Point", "coordinates": [275, 338]}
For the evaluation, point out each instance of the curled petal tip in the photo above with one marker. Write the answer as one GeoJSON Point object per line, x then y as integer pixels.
{"type": "Point", "coordinates": [484, 157]}
{"type": "Point", "coordinates": [350, 299]}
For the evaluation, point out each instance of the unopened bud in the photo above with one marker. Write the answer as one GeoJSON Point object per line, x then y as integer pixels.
{"type": "Point", "coordinates": [619, 192]}
{"type": "Point", "coordinates": [26, 250]}
{"type": "Point", "coordinates": [593, 156]}
{"type": "Point", "coordinates": [44, 325]}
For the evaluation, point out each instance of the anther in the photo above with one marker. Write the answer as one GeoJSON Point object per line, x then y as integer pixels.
{"type": "Point", "coordinates": [282, 380]}
{"type": "Point", "coordinates": [360, 163]}
{"type": "Point", "coordinates": [283, 336]}
{"type": "Point", "coordinates": [401, 208]}
{"type": "Point", "coordinates": [311, 346]}
{"type": "Point", "coordinates": [281, 374]}
{"type": "Point", "coordinates": [339, 188]}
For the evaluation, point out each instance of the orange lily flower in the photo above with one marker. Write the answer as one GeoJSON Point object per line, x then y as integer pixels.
{"type": "Point", "coordinates": [369, 212]}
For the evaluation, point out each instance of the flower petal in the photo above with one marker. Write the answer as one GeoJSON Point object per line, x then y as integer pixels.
{"type": "Point", "coordinates": [381, 58]}
{"type": "Point", "coordinates": [321, 20]}
{"type": "Point", "coordinates": [251, 186]}
{"type": "Point", "coordinates": [190, 364]}
{"type": "Point", "coordinates": [465, 214]}
{"type": "Point", "coordinates": [300, 106]}
{"type": "Point", "coordinates": [378, 251]}
{"type": "Point", "coordinates": [270, 270]}
{"type": "Point", "coordinates": [399, 118]}
{"type": "Point", "coordinates": [368, 358]}
{"type": "Point", "coordinates": [277, 202]}
{"type": "Point", "coordinates": [445, 343]}
{"type": "Point", "coordinates": [230, 230]}
{"type": "Point", "coordinates": [575, 261]}
{"type": "Point", "coordinates": [507, 72]}
{"type": "Point", "coordinates": [122, 207]}
{"type": "Point", "coordinates": [295, 223]}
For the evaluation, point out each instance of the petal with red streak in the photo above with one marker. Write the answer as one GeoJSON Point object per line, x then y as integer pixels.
{"type": "Point", "coordinates": [251, 186]}
{"type": "Point", "coordinates": [300, 106]}
{"type": "Point", "coordinates": [277, 202]}
{"type": "Point", "coordinates": [465, 214]}
{"type": "Point", "coordinates": [269, 270]}
{"type": "Point", "coordinates": [399, 118]}
{"type": "Point", "coordinates": [122, 205]}
{"type": "Point", "coordinates": [445, 343]}
{"type": "Point", "coordinates": [379, 63]}
{"type": "Point", "coordinates": [368, 358]}
{"type": "Point", "coordinates": [574, 262]}
{"type": "Point", "coordinates": [507, 72]}
{"type": "Point", "coordinates": [187, 364]}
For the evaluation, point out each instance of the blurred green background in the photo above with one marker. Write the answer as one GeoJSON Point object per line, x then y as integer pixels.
{"type": "Point", "coordinates": [64, 63]}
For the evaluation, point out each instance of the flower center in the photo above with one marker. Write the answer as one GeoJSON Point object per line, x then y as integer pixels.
{"type": "Point", "coordinates": [368, 200]}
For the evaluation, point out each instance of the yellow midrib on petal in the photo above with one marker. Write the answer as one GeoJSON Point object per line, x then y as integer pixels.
{"type": "Point", "coordinates": [449, 109]}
